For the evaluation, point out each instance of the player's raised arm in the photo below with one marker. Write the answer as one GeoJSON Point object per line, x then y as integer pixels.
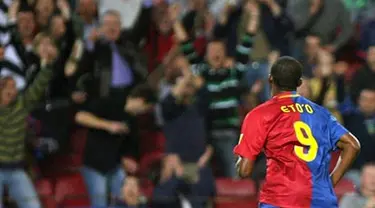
{"type": "Point", "coordinates": [350, 148]}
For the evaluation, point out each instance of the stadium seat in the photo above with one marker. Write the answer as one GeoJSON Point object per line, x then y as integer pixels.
{"type": "Point", "coordinates": [78, 140]}
{"type": "Point", "coordinates": [44, 187]}
{"type": "Point", "coordinates": [152, 141]}
{"type": "Point", "coordinates": [334, 158]}
{"type": "Point", "coordinates": [149, 161]}
{"type": "Point", "coordinates": [343, 187]}
{"type": "Point", "coordinates": [48, 201]}
{"type": "Point", "coordinates": [147, 188]}
{"type": "Point", "coordinates": [61, 165]}
{"type": "Point", "coordinates": [235, 203]}
{"type": "Point", "coordinates": [70, 191]}
{"type": "Point", "coordinates": [235, 188]}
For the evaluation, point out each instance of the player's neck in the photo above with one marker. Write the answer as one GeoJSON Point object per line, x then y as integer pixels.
{"type": "Point", "coordinates": [276, 92]}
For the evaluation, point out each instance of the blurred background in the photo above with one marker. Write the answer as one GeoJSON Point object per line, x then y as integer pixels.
{"type": "Point", "coordinates": [146, 97]}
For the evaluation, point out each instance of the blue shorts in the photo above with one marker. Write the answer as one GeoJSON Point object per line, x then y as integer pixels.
{"type": "Point", "coordinates": [263, 205]}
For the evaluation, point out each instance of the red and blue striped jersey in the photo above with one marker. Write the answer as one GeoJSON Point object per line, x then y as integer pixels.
{"type": "Point", "coordinates": [297, 137]}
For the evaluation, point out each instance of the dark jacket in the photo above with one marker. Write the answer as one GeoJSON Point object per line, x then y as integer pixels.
{"type": "Point", "coordinates": [363, 78]}
{"type": "Point", "coordinates": [97, 80]}
{"type": "Point", "coordinates": [185, 127]}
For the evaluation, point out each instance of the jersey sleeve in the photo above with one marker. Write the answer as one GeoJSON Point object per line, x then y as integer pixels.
{"type": "Point", "coordinates": [252, 137]}
{"type": "Point", "coordinates": [336, 131]}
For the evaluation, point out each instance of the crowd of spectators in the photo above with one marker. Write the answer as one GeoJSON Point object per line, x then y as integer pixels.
{"type": "Point", "coordinates": [128, 71]}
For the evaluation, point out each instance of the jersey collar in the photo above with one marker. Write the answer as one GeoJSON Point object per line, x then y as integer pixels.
{"type": "Point", "coordinates": [287, 94]}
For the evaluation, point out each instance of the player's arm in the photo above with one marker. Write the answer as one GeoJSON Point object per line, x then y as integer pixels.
{"type": "Point", "coordinates": [244, 167]}
{"type": "Point", "coordinates": [251, 143]}
{"type": "Point", "coordinates": [350, 147]}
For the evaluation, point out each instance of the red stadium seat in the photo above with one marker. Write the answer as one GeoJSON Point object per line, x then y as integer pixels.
{"type": "Point", "coordinates": [235, 203]}
{"type": "Point", "coordinates": [71, 191]}
{"type": "Point", "coordinates": [148, 161]}
{"type": "Point", "coordinates": [45, 190]}
{"type": "Point", "coordinates": [78, 140]}
{"type": "Point", "coordinates": [48, 201]}
{"type": "Point", "coordinates": [147, 188]}
{"type": "Point", "coordinates": [334, 158]}
{"type": "Point", "coordinates": [235, 188]}
{"type": "Point", "coordinates": [343, 187]}
{"type": "Point", "coordinates": [61, 165]}
{"type": "Point", "coordinates": [153, 141]}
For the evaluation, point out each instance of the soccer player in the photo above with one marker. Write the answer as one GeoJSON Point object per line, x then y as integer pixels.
{"type": "Point", "coordinates": [297, 137]}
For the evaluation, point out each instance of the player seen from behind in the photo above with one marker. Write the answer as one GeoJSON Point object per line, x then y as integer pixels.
{"type": "Point", "coordinates": [297, 137]}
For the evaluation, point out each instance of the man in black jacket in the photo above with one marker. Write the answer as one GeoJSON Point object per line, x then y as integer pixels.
{"type": "Point", "coordinates": [114, 58]}
{"type": "Point", "coordinates": [112, 143]}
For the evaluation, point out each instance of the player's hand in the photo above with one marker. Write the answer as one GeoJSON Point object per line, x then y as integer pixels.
{"type": "Point", "coordinates": [130, 165]}
{"type": "Point", "coordinates": [115, 127]}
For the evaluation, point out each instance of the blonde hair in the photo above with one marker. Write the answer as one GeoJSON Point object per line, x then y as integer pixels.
{"type": "Point", "coordinates": [38, 39]}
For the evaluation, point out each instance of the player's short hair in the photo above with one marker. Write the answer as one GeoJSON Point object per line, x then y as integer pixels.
{"type": "Point", "coordinates": [145, 92]}
{"type": "Point", "coordinates": [286, 73]}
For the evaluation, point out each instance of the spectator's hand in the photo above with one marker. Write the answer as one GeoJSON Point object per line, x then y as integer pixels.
{"type": "Point", "coordinates": [130, 191]}
{"type": "Point", "coordinates": [94, 35]}
{"type": "Point", "coordinates": [178, 89]}
{"type": "Point", "coordinates": [257, 87]}
{"type": "Point", "coordinates": [79, 97]}
{"type": "Point", "coordinates": [325, 62]}
{"type": "Point", "coordinates": [171, 165]}
{"type": "Point", "coordinates": [174, 12]}
{"type": "Point", "coordinates": [70, 68]}
{"type": "Point", "coordinates": [329, 48]}
{"type": "Point", "coordinates": [315, 6]}
{"type": "Point", "coordinates": [229, 63]}
{"type": "Point", "coordinates": [252, 7]}
{"type": "Point", "coordinates": [273, 56]}
{"type": "Point", "coordinates": [203, 160]}
{"type": "Point", "coordinates": [13, 10]}
{"type": "Point", "coordinates": [130, 165]}
{"type": "Point", "coordinates": [115, 127]}
{"type": "Point", "coordinates": [64, 8]}
{"type": "Point", "coordinates": [48, 55]}
{"type": "Point", "coordinates": [198, 82]}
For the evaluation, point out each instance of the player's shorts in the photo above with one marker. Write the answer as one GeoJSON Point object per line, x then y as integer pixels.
{"type": "Point", "coordinates": [263, 205]}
